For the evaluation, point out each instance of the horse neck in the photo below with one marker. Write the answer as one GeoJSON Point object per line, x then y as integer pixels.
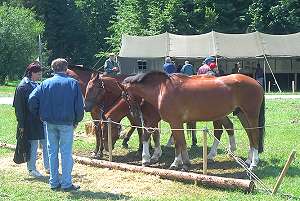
{"type": "Point", "coordinates": [118, 112]}
{"type": "Point", "coordinates": [149, 93]}
{"type": "Point", "coordinates": [81, 76]}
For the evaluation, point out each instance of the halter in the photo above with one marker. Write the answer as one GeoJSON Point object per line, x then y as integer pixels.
{"type": "Point", "coordinates": [135, 109]}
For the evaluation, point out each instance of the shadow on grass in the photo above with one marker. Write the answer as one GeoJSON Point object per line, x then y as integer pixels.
{"type": "Point", "coordinates": [97, 195]}
{"type": "Point", "coordinates": [85, 194]}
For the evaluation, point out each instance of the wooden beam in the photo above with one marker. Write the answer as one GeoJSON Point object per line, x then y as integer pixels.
{"type": "Point", "coordinates": [211, 181]}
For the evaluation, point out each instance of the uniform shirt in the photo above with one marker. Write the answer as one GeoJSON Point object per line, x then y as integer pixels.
{"type": "Point", "coordinates": [58, 100]}
{"type": "Point", "coordinates": [169, 68]}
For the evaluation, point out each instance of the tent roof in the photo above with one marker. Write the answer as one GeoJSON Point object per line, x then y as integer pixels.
{"type": "Point", "coordinates": [212, 43]}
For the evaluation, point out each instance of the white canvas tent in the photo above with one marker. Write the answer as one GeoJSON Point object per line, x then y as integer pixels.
{"type": "Point", "coordinates": [151, 50]}
{"type": "Point", "coordinates": [213, 43]}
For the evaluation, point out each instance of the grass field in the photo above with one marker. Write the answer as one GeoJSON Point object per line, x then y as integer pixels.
{"type": "Point", "coordinates": [9, 88]}
{"type": "Point", "coordinates": [282, 135]}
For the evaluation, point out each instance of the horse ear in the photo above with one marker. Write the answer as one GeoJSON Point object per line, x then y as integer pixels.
{"type": "Point", "coordinates": [121, 86]}
{"type": "Point", "coordinates": [93, 76]}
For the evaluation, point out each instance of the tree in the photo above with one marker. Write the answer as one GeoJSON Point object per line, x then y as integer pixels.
{"type": "Point", "coordinates": [19, 32]}
{"type": "Point", "coordinates": [96, 15]}
{"type": "Point", "coordinates": [280, 17]}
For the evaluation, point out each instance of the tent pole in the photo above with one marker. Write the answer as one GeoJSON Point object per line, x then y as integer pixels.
{"type": "Point", "coordinates": [295, 78]}
{"type": "Point", "coordinates": [265, 81]}
{"type": "Point", "coordinates": [272, 73]}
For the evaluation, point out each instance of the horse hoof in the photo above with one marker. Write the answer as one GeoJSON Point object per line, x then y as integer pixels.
{"type": "Point", "coordinates": [248, 162]}
{"type": "Point", "coordinates": [173, 167]}
{"type": "Point", "coordinates": [146, 164]}
{"type": "Point", "coordinates": [185, 168]}
{"type": "Point", "coordinates": [153, 160]}
{"type": "Point", "coordinates": [252, 167]}
{"type": "Point", "coordinates": [96, 156]}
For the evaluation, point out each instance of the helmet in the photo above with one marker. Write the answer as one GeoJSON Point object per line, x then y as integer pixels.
{"type": "Point", "coordinates": [209, 59]}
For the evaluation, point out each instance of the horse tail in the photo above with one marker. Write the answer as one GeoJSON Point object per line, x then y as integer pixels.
{"type": "Point", "coordinates": [261, 124]}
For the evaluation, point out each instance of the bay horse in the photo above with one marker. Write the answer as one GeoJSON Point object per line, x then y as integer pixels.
{"type": "Point", "coordinates": [83, 75]}
{"type": "Point", "coordinates": [151, 119]}
{"type": "Point", "coordinates": [96, 89]}
{"type": "Point", "coordinates": [108, 97]}
{"type": "Point", "coordinates": [179, 99]}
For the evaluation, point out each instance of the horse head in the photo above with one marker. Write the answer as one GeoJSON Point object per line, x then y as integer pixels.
{"type": "Point", "coordinates": [133, 103]}
{"type": "Point", "coordinates": [94, 92]}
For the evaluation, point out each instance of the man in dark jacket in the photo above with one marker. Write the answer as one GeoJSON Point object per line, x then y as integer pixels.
{"type": "Point", "coordinates": [111, 67]}
{"type": "Point", "coordinates": [30, 127]}
{"type": "Point", "coordinates": [59, 102]}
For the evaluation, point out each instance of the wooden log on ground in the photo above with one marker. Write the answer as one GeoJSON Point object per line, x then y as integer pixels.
{"type": "Point", "coordinates": [211, 181]}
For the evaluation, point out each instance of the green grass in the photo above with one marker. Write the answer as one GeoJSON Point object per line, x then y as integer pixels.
{"type": "Point", "coordinates": [282, 135]}
{"type": "Point", "coordinates": [8, 88]}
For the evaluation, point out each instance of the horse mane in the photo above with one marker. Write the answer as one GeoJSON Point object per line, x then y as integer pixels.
{"type": "Point", "coordinates": [142, 77]}
{"type": "Point", "coordinates": [78, 67]}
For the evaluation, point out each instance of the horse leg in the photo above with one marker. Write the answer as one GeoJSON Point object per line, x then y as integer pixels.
{"type": "Point", "coordinates": [145, 153]}
{"type": "Point", "coordinates": [127, 137]}
{"type": "Point", "coordinates": [157, 149]}
{"type": "Point", "coordinates": [250, 121]}
{"type": "Point", "coordinates": [170, 141]}
{"type": "Point", "coordinates": [217, 133]}
{"type": "Point", "coordinates": [140, 131]}
{"type": "Point", "coordinates": [99, 145]}
{"type": "Point", "coordinates": [181, 154]}
{"type": "Point", "coordinates": [228, 125]}
{"type": "Point", "coordinates": [192, 125]}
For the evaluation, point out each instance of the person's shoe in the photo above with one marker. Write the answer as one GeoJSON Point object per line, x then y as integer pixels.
{"type": "Point", "coordinates": [35, 173]}
{"type": "Point", "coordinates": [71, 188]}
{"type": "Point", "coordinates": [56, 188]}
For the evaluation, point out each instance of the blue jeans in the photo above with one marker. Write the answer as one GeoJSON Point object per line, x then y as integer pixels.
{"type": "Point", "coordinates": [31, 164]}
{"type": "Point", "coordinates": [60, 138]}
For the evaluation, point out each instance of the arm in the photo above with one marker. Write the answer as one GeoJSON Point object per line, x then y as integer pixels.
{"type": "Point", "coordinates": [19, 105]}
{"type": "Point", "coordinates": [78, 106]}
{"type": "Point", "coordinates": [34, 101]}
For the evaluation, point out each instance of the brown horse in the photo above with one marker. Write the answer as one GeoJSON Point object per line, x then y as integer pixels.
{"type": "Point", "coordinates": [120, 110]}
{"type": "Point", "coordinates": [108, 97]}
{"type": "Point", "coordinates": [83, 75]}
{"type": "Point", "coordinates": [179, 98]}
{"type": "Point", "coordinates": [151, 119]}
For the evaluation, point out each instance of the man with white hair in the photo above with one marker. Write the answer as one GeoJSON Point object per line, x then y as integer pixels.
{"type": "Point", "coordinates": [187, 69]}
{"type": "Point", "coordinates": [168, 66]}
{"type": "Point", "coordinates": [59, 103]}
{"type": "Point", "coordinates": [111, 67]}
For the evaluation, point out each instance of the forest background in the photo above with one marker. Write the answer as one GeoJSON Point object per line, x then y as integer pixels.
{"type": "Point", "coordinates": [84, 31]}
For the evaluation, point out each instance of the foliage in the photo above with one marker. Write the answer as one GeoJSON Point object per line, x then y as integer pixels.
{"type": "Point", "coordinates": [86, 30]}
{"type": "Point", "coordinates": [280, 17]}
{"type": "Point", "coordinates": [19, 32]}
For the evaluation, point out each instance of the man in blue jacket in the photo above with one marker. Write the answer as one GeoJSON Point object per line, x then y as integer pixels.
{"type": "Point", "coordinates": [59, 103]}
{"type": "Point", "coordinates": [168, 66]}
